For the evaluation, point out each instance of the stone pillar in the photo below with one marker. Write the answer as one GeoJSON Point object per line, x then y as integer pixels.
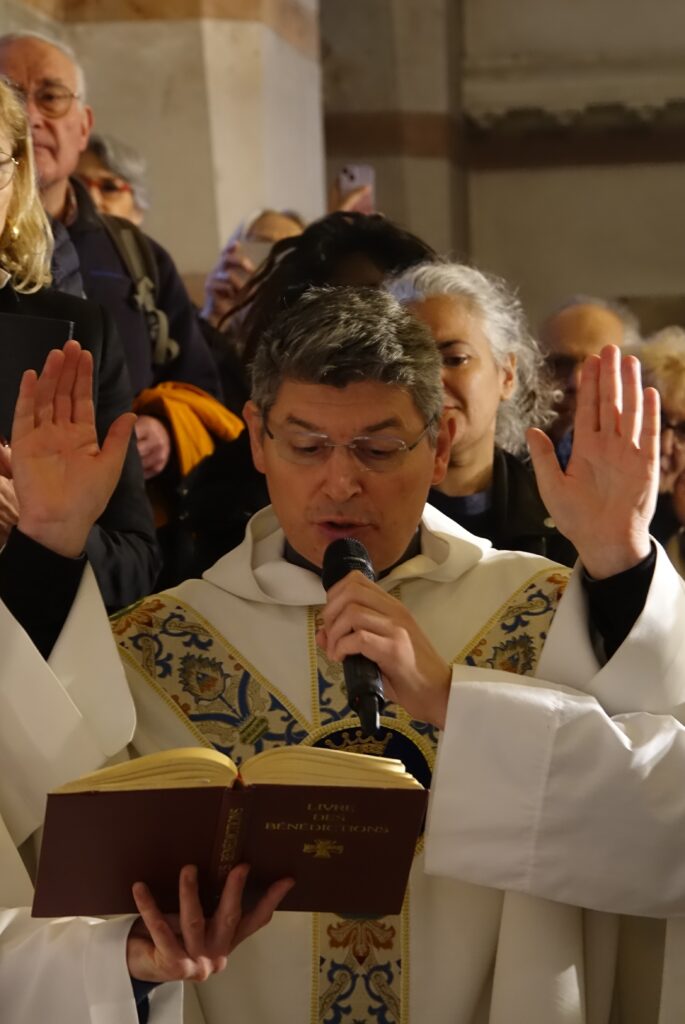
{"type": "Point", "coordinates": [223, 97]}
{"type": "Point", "coordinates": [392, 73]}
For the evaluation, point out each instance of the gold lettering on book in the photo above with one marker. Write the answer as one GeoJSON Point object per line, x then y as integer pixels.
{"type": "Point", "coordinates": [322, 826]}
{"type": "Point", "coordinates": [230, 844]}
{"type": "Point", "coordinates": [323, 848]}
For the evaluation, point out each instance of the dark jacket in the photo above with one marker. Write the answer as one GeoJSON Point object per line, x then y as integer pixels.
{"type": "Point", "coordinates": [519, 521]}
{"type": "Point", "coordinates": [106, 280]}
{"type": "Point", "coordinates": [121, 546]}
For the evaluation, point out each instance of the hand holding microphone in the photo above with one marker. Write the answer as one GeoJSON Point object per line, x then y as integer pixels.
{"type": "Point", "coordinates": [361, 618]}
{"type": "Point", "coordinates": [362, 678]}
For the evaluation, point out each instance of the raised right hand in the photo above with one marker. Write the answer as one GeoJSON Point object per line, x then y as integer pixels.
{"type": "Point", "coordinates": [62, 478]}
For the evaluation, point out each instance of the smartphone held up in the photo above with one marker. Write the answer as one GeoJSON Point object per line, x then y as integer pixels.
{"type": "Point", "coordinates": [356, 187]}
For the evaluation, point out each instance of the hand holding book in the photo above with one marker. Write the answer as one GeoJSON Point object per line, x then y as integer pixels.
{"type": "Point", "coordinates": [344, 826]}
{"type": "Point", "coordinates": [187, 946]}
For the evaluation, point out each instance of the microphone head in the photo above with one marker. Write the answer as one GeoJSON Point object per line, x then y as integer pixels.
{"type": "Point", "coordinates": [343, 556]}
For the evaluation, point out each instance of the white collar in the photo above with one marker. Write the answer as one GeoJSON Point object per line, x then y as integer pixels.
{"type": "Point", "coordinates": [257, 571]}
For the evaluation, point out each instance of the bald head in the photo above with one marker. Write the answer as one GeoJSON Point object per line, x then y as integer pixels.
{"type": "Point", "coordinates": [580, 331]}
{"type": "Point", "coordinates": [568, 337]}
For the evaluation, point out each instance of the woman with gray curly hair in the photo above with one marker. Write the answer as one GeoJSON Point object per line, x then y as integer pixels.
{"type": "Point", "coordinates": [495, 381]}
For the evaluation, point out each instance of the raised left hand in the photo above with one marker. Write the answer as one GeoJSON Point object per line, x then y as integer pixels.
{"type": "Point", "coordinates": [360, 618]}
{"type": "Point", "coordinates": [188, 946]}
{"type": "Point", "coordinates": [62, 477]}
{"type": "Point", "coordinates": [605, 500]}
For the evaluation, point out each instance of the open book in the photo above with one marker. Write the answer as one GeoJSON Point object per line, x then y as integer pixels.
{"type": "Point", "coordinates": [343, 825]}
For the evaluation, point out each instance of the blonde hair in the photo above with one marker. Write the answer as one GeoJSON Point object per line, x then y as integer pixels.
{"type": "Point", "coordinates": [26, 239]}
{"type": "Point", "coordinates": [663, 364]}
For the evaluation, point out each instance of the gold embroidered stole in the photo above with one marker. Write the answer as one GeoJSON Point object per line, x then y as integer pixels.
{"type": "Point", "coordinates": [360, 967]}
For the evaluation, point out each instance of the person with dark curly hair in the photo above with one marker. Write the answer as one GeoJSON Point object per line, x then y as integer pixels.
{"type": "Point", "coordinates": [343, 248]}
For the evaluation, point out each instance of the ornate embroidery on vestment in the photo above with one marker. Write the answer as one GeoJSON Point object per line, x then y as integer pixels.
{"type": "Point", "coordinates": [360, 966]}
{"type": "Point", "coordinates": [220, 694]}
{"type": "Point", "coordinates": [513, 638]}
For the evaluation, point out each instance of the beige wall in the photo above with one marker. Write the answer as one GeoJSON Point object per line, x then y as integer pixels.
{"type": "Point", "coordinates": [393, 69]}
{"type": "Point", "coordinates": [593, 230]}
{"type": "Point", "coordinates": [391, 99]}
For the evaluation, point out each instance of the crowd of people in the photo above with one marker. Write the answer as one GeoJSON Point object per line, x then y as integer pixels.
{"type": "Point", "coordinates": [526, 621]}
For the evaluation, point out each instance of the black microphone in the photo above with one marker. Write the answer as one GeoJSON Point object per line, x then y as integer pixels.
{"type": "Point", "coordinates": [362, 678]}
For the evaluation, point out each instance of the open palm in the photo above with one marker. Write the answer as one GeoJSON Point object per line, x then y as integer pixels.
{"type": "Point", "coordinates": [605, 500]}
{"type": "Point", "coordinates": [63, 479]}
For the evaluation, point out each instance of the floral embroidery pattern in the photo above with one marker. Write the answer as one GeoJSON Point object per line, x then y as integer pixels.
{"type": "Point", "coordinates": [362, 976]}
{"type": "Point", "coordinates": [208, 682]}
{"type": "Point", "coordinates": [514, 638]}
{"type": "Point", "coordinates": [360, 969]}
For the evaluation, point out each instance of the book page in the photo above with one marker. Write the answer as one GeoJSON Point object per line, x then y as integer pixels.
{"type": "Point", "coordinates": [184, 767]}
{"type": "Point", "coordinates": [323, 766]}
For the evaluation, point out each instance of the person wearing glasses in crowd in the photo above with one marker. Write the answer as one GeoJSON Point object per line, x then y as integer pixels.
{"type": "Point", "coordinates": [549, 715]}
{"type": "Point", "coordinates": [114, 174]}
{"type": "Point", "coordinates": [663, 367]}
{"type": "Point", "coordinates": [121, 546]}
{"type": "Point", "coordinates": [577, 328]}
{"type": "Point", "coordinates": [52, 83]}
{"type": "Point", "coordinates": [174, 377]}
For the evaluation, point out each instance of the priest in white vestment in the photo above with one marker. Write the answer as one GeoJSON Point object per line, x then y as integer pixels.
{"type": "Point", "coordinates": [545, 723]}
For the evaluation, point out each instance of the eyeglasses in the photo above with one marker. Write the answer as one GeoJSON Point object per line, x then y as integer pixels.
{"type": "Point", "coordinates": [677, 428]}
{"type": "Point", "coordinates": [380, 453]}
{"type": "Point", "coordinates": [52, 100]}
{"type": "Point", "coordinates": [109, 186]}
{"type": "Point", "coordinates": [8, 166]}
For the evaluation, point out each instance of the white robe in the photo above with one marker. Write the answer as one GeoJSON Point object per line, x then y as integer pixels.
{"type": "Point", "coordinates": [547, 792]}
{"type": "Point", "coordinates": [59, 720]}
{"type": "Point", "coordinates": [519, 801]}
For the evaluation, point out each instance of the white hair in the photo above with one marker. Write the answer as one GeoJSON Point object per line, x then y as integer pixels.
{"type": "Point", "coordinates": [506, 329]}
{"type": "Point", "coordinates": [64, 48]}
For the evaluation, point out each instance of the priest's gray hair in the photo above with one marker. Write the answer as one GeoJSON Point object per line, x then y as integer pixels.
{"type": "Point", "coordinates": [16, 37]}
{"type": "Point", "coordinates": [341, 336]}
{"type": "Point", "coordinates": [506, 329]}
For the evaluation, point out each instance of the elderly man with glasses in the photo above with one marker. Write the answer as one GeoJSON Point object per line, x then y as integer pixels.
{"type": "Point", "coordinates": [47, 75]}
{"type": "Point", "coordinates": [537, 700]}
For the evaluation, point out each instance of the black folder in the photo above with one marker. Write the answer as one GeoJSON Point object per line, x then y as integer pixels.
{"type": "Point", "coordinates": [24, 345]}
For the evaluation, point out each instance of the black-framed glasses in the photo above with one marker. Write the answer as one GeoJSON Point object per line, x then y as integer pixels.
{"type": "Point", "coordinates": [380, 453]}
{"type": "Point", "coordinates": [8, 167]}
{"type": "Point", "coordinates": [54, 101]}
{"type": "Point", "coordinates": [677, 428]}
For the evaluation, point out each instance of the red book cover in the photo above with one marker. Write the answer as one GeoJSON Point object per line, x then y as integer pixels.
{"type": "Point", "coordinates": [348, 848]}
